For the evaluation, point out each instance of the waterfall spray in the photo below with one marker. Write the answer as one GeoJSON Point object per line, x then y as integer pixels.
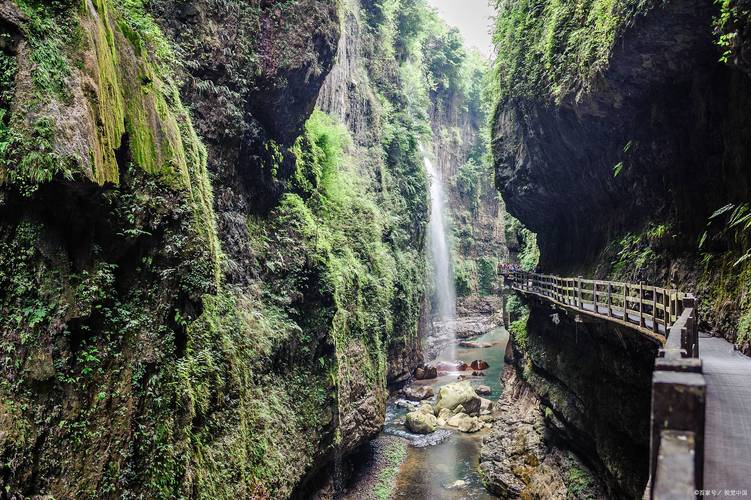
{"type": "Point", "coordinates": [440, 257]}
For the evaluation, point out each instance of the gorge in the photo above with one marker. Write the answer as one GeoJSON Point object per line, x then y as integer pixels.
{"type": "Point", "coordinates": [256, 249]}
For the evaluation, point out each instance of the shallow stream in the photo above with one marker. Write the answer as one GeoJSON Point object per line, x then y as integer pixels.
{"type": "Point", "coordinates": [428, 472]}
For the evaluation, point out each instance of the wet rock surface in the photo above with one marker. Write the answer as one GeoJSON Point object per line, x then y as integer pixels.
{"type": "Point", "coordinates": [595, 384]}
{"type": "Point", "coordinates": [517, 462]}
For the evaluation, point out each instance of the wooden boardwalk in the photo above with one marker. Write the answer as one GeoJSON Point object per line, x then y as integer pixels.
{"type": "Point", "coordinates": [727, 449]}
{"type": "Point", "coordinates": [705, 402]}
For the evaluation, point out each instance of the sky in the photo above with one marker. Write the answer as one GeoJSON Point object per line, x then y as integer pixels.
{"type": "Point", "coordinates": [472, 17]}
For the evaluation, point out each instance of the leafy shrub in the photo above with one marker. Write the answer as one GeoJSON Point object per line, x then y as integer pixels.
{"type": "Point", "coordinates": [518, 330]}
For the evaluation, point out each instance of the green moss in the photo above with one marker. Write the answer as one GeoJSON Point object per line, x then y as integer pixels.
{"type": "Point", "coordinates": [549, 48]}
{"type": "Point", "coordinates": [395, 453]}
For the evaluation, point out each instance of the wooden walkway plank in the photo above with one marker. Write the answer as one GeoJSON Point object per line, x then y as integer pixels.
{"type": "Point", "coordinates": [727, 453]}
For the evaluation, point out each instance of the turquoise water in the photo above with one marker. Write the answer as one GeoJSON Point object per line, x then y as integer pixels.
{"type": "Point", "coordinates": [429, 471]}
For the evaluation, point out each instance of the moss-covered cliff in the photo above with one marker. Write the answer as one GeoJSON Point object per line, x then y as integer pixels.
{"type": "Point", "coordinates": [620, 137]}
{"type": "Point", "coordinates": [204, 288]}
{"type": "Point", "coordinates": [620, 129]}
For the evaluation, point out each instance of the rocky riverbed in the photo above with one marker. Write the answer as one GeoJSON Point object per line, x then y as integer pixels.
{"type": "Point", "coordinates": [443, 463]}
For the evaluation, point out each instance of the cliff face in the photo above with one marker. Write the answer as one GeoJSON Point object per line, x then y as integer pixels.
{"type": "Point", "coordinates": [458, 113]}
{"type": "Point", "coordinates": [203, 294]}
{"type": "Point", "coordinates": [618, 166]}
{"type": "Point", "coordinates": [621, 128]}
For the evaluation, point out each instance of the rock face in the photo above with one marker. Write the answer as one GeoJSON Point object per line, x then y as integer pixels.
{"type": "Point", "coordinates": [172, 292]}
{"type": "Point", "coordinates": [516, 460]}
{"type": "Point", "coordinates": [603, 160]}
{"type": "Point", "coordinates": [592, 382]}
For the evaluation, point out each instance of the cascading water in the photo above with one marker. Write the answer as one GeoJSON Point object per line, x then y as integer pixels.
{"type": "Point", "coordinates": [440, 258]}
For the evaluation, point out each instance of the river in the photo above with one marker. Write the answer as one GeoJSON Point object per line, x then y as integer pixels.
{"type": "Point", "coordinates": [429, 471]}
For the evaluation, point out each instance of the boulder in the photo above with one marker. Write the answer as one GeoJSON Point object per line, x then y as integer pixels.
{"type": "Point", "coordinates": [426, 408]}
{"type": "Point", "coordinates": [465, 423]}
{"type": "Point", "coordinates": [452, 366]}
{"type": "Point", "coordinates": [420, 422]}
{"type": "Point", "coordinates": [457, 485]}
{"type": "Point", "coordinates": [418, 393]}
{"type": "Point", "coordinates": [458, 409]}
{"type": "Point", "coordinates": [471, 424]}
{"type": "Point", "coordinates": [426, 373]}
{"type": "Point", "coordinates": [455, 419]}
{"type": "Point", "coordinates": [482, 390]}
{"type": "Point", "coordinates": [479, 364]}
{"type": "Point", "coordinates": [445, 413]}
{"type": "Point", "coordinates": [469, 344]}
{"type": "Point", "coordinates": [478, 374]}
{"type": "Point", "coordinates": [485, 405]}
{"type": "Point", "coordinates": [461, 393]}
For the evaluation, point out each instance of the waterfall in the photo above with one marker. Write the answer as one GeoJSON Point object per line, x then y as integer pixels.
{"type": "Point", "coordinates": [440, 258]}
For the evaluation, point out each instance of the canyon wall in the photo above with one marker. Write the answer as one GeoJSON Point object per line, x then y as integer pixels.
{"type": "Point", "coordinates": [620, 138]}
{"type": "Point", "coordinates": [619, 161]}
{"type": "Point", "coordinates": [205, 283]}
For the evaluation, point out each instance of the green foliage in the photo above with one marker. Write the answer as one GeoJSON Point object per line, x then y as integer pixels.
{"type": "Point", "coordinates": [723, 283]}
{"type": "Point", "coordinates": [487, 274]}
{"type": "Point", "coordinates": [203, 389]}
{"type": "Point", "coordinates": [529, 256]}
{"type": "Point", "coordinates": [444, 56]}
{"type": "Point", "coordinates": [580, 483]}
{"type": "Point", "coordinates": [518, 330]}
{"type": "Point", "coordinates": [52, 32]}
{"type": "Point", "coordinates": [529, 252]}
{"type": "Point", "coordinates": [515, 308]}
{"type": "Point", "coordinates": [319, 152]}
{"type": "Point", "coordinates": [734, 221]}
{"type": "Point", "coordinates": [729, 24]}
{"type": "Point", "coordinates": [552, 47]}
{"type": "Point", "coordinates": [8, 69]}
{"type": "Point", "coordinates": [29, 159]}
{"type": "Point", "coordinates": [635, 252]}
{"type": "Point", "coordinates": [395, 453]}
{"type": "Point", "coordinates": [465, 276]}
{"type": "Point", "coordinates": [617, 169]}
{"type": "Point", "coordinates": [470, 181]}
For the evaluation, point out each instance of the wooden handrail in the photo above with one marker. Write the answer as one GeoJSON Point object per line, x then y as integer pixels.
{"type": "Point", "coordinates": [648, 309]}
{"type": "Point", "coordinates": [678, 385]}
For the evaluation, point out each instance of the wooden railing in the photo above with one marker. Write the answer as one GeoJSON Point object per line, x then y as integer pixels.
{"type": "Point", "coordinates": [649, 309]}
{"type": "Point", "coordinates": [678, 386]}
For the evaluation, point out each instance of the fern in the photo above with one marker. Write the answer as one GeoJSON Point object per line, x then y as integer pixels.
{"type": "Point", "coordinates": [617, 169]}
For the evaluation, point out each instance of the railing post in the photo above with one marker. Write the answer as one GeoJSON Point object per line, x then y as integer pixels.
{"type": "Point", "coordinates": [581, 297]}
{"type": "Point", "coordinates": [678, 402]}
{"type": "Point", "coordinates": [692, 330]}
{"type": "Point", "coordinates": [641, 304]}
{"type": "Point", "coordinates": [655, 326]}
{"type": "Point", "coordinates": [625, 302]}
{"type": "Point", "coordinates": [610, 299]}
